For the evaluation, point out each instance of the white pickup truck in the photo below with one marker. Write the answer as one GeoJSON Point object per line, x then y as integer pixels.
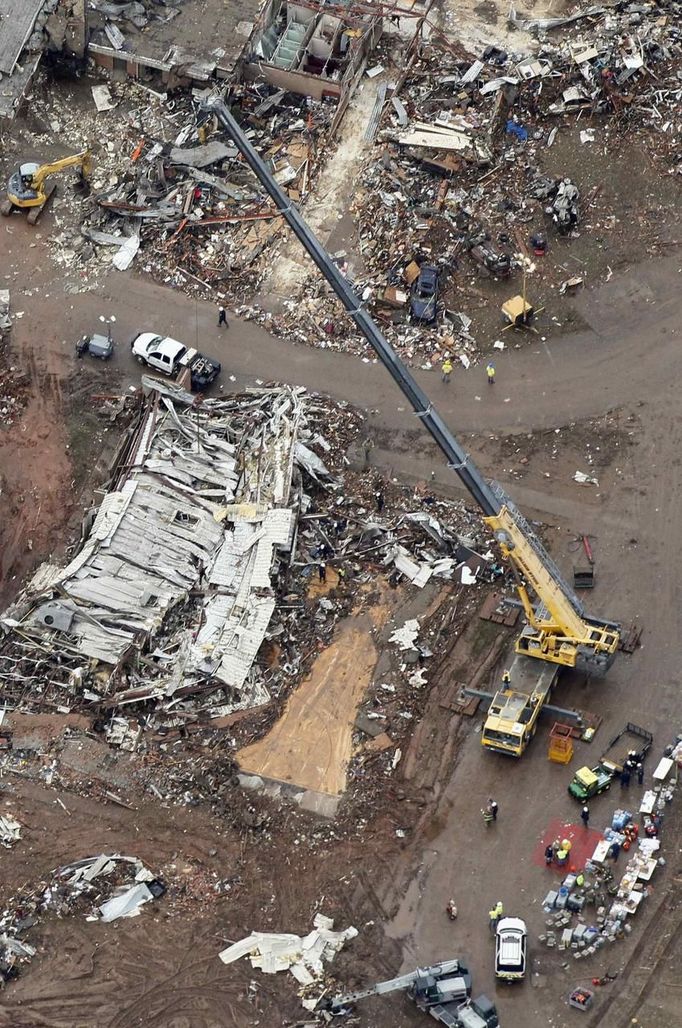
{"type": "Point", "coordinates": [169, 356]}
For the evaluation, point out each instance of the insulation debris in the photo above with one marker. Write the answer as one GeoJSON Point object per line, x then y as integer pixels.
{"type": "Point", "coordinates": [103, 888]}
{"type": "Point", "coordinates": [304, 957]}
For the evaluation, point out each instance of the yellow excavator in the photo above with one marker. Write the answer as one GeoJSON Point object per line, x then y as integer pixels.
{"type": "Point", "coordinates": [29, 189]}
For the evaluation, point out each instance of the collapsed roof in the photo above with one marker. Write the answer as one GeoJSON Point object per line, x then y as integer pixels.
{"type": "Point", "coordinates": [171, 591]}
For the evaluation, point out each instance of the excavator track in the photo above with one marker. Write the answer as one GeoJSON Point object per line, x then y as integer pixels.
{"type": "Point", "coordinates": [35, 212]}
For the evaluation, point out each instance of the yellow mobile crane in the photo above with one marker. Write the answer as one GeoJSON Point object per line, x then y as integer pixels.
{"type": "Point", "coordinates": [558, 633]}
{"type": "Point", "coordinates": [28, 188]}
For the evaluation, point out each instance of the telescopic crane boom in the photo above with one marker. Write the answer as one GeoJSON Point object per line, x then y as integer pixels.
{"type": "Point", "coordinates": [440, 971]}
{"type": "Point", "coordinates": [558, 629]}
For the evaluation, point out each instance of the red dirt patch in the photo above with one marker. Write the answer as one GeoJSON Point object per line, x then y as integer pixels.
{"type": "Point", "coordinates": [583, 841]}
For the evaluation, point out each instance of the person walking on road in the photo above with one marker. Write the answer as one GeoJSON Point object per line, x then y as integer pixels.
{"type": "Point", "coordinates": [493, 808]}
{"type": "Point", "coordinates": [492, 920]}
{"type": "Point", "coordinates": [222, 317]}
{"type": "Point", "coordinates": [446, 369]}
{"type": "Point", "coordinates": [367, 447]}
{"type": "Point", "coordinates": [490, 372]}
{"type": "Point", "coordinates": [625, 777]}
{"type": "Point", "coordinates": [640, 774]}
{"type": "Point", "coordinates": [585, 815]}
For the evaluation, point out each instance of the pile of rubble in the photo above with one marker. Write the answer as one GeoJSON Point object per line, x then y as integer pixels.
{"type": "Point", "coordinates": [13, 382]}
{"type": "Point", "coordinates": [177, 563]}
{"type": "Point", "coordinates": [165, 182]}
{"type": "Point", "coordinates": [110, 886]}
{"type": "Point", "coordinates": [304, 957]}
{"type": "Point", "coordinates": [458, 178]}
{"type": "Point", "coordinates": [190, 603]}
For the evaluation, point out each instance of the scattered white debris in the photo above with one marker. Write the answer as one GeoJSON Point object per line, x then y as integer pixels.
{"type": "Point", "coordinates": [127, 904]}
{"type": "Point", "coordinates": [406, 636]}
{"type": "Point", "coordinates": [584, 479]}
{"type": "Point", "coordinates": [418, 678]}
{"type": "Point", "coordinates": [124, 257]}
{"type": "Point", "coordinates": [303, 957]}
{"type": "Point", "coordinates": [103, 98]}
{"type": "Point", "coordinates": [10, 831]}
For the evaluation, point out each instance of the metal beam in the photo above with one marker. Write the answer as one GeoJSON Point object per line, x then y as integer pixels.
{"type": "Point", "coordinates": [458, 459]}
{"type": "Point", "coordinates": [547, 708]}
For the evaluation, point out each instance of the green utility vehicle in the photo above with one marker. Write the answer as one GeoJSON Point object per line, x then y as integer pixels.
{"type": "Point", "coordinates": [630, 747]}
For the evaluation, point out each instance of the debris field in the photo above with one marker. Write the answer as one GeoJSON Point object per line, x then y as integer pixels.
{"type": "Point", "coordinates": [247, 643]}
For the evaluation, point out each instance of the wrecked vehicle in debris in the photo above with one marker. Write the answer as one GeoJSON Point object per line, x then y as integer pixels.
{"type": "Point", "coordinates": [171, 357]}
{"type": "Point", "coordinates": [491, 260]}
{"type": "Point", "coordinates": [424, 295]}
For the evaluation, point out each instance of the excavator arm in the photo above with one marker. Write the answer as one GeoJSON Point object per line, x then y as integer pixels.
{"type": "Point", "coordinates": [82, 159]}
{"type": "Point", "coordinates": [28, 188]}
{"type": "Point", "coordinates": [437, 972]}
{"type": "Point", "coordinates": [558, 629]}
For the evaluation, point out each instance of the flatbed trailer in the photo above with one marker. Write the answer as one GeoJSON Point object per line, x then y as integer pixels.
{"type": "Point", "coordinates": [514, 711]}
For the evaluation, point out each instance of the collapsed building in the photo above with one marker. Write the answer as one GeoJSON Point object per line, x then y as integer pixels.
{"type": "Point", "coordinates": [304, 48]}
{"type": "Point", "coordinates": [171, 591]}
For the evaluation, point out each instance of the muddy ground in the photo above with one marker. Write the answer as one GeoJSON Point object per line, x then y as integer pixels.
{"type": "Point", "coordinates": [600, 398]}
{"type": "Point", "coordinates": [362, 871]}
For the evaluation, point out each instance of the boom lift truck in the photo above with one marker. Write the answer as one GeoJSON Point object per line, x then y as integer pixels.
{"type": "Point", "coordinates": [558, 632]}
{"type": "Point", "coordinates": [442, 991]}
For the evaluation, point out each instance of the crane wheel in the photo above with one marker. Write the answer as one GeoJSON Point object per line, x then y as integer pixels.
{"type": "Point", "coordinates": [6, 208]}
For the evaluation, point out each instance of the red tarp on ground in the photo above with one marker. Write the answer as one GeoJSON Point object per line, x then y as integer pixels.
{"type": "Point", "coordinates": [583, 842]}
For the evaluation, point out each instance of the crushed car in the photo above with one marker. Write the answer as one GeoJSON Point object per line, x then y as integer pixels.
{"type": "Point", "coordinates": [424, 295]}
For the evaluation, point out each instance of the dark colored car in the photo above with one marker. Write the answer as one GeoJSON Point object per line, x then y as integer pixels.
{"type": "Point", "coordinates": [97, 345]}
{"type": "Point", "coordinates": [424, 295]}
{"type": "Point", "coordinates": [492, 260]}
